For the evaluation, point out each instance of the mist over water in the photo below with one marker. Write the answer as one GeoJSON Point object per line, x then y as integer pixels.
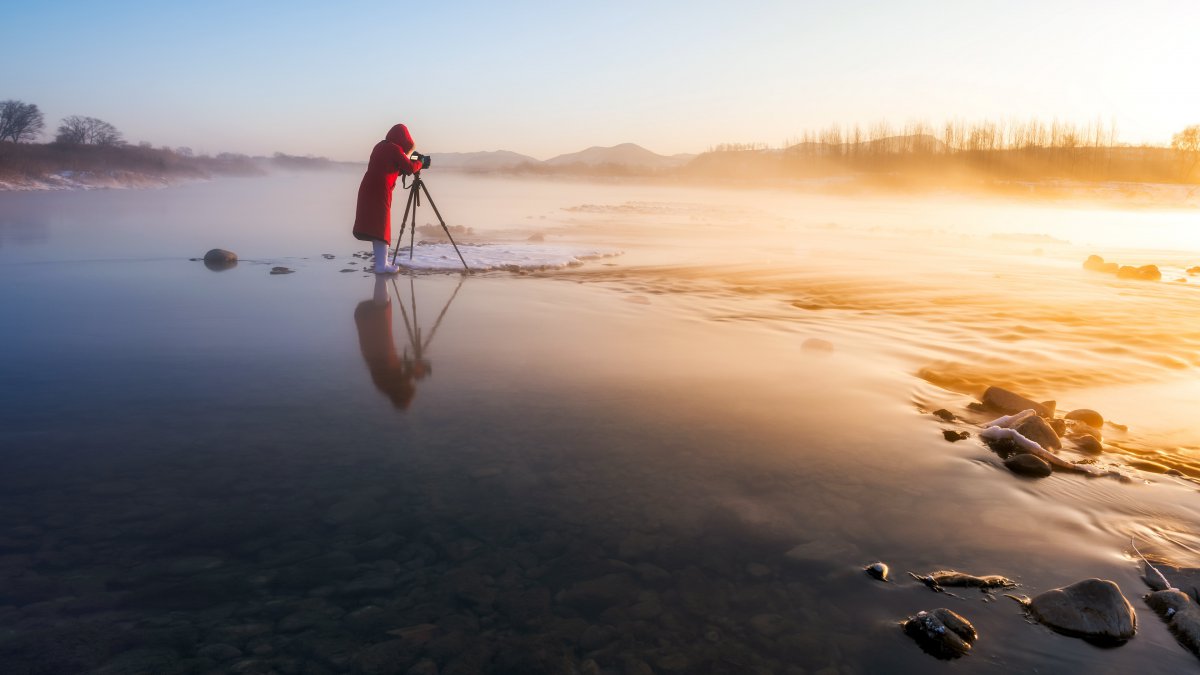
{"type": "Point", "coordinates": [721, 424]}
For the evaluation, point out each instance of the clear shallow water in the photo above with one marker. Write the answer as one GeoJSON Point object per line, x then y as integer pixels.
{"type": "Point", "coordinates": [610, 463]}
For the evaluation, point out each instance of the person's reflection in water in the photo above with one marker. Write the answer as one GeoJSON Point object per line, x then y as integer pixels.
{"type": "Point", "coordinates": [394, 374]}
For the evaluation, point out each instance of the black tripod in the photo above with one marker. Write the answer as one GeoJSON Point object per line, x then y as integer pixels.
{"type": "Point", "coordinates": [414, 200]}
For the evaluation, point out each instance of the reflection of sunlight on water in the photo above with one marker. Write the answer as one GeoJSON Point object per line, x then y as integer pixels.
{"type": "Point", "coordinates": [964, 296]}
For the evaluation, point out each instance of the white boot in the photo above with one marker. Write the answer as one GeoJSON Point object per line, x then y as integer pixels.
{"type": "Point", "coordinates": [381, 259]}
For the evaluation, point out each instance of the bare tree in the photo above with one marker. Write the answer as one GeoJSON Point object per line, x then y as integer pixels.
{"type": "Point", "coordinates": [20, 121]}
{"type": "Point", "coordinates": [1187, 144]}
{"type": "Point", "coordinates": [78, 130]}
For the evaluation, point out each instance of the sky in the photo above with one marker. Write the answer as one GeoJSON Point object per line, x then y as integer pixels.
{"type": "Point", "coordinates": [546, 78]}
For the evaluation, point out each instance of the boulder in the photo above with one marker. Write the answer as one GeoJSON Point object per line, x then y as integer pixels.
{"type": "Point", "coordinates": [1193, 270]}
{"type": "Point", "coordinates": [1028, 465]}
{"type": "Point", "coordinates": [941, 633]}
{"type": "Point", "coordinates": [282, 270]}
{"type": "Point", "coordinates": [1007, 402]}
{"type": "Point", "coordinates": [1096, 264]}
{"type": "Point", "coordinates": [955, 436]}
{"type": "Point", "coordinates": [1087, 416]}
{"type": "Point", "coordinates": [1039, 431]}
{"type": "Point", "coordinates": [1181, 614]}
{"type": "Point", "coordinates": [1093, 609]}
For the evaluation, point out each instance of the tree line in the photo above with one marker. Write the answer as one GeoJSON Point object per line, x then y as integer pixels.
{"type": "Point", "coordinates": [1011, 149]}
{"type": "Point", "coordinates": [24, 122]}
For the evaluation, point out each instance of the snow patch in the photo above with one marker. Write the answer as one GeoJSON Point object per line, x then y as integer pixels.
{"type": "Point", "coordinates": [511, 257]}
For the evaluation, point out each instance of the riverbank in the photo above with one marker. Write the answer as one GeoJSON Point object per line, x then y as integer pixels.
{"type": "Point", "coordinates": [60, 166]}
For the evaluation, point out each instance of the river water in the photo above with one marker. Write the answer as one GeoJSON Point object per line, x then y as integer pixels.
{"type": "Point", "coordinates": [676, 459]}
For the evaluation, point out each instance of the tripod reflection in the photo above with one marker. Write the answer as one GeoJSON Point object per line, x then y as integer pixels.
{"type": "Point", "coordinates": [395, 373]}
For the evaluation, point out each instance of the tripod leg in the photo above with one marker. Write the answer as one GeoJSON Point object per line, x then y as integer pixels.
{"type": "Point", "coordinates": [412, 233]}
{"type": "Point", "coordinates": [444, 228]}
{"type": "Point", "coordinates": [407, 205]}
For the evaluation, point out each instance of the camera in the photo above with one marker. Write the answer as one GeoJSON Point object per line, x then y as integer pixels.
{"type": "Point", "coordinates": [424, 160]}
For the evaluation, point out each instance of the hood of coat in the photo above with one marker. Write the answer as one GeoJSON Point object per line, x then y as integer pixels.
{"type": "Point", "coordinates": [400, 136]}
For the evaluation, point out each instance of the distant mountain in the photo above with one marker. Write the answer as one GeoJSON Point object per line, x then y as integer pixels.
{"type": "Point", "coordinates": [625, 154]}
{"type": "Point", "coordinates": [482, 161]}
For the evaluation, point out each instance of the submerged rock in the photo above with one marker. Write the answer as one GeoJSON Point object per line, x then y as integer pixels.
{"type": "Point", "coordinates": [955, 436]}
{"type": "Point", "coordinates": [1181, 614]}
{"type": "Point", "coordinates": [941, 633]}
{"type": "Point", "coordinates": [954, 578]}
{"type": "Point", "coordinates": [1025, 464]}
{"type": "Point", "coordinates": [281, 270]}
{"type": "Point", "coordinates": [1007, 402]}
{"type": "Point", "coordinates": [944, 415]}
{"type": "Point", "coordinates": [817, 345]}
{"type": "Point", "coordinates": [1094, 609]}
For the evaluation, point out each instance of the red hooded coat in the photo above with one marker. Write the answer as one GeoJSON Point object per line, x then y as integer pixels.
{"type": "Point", "coordinates": [389, 159]}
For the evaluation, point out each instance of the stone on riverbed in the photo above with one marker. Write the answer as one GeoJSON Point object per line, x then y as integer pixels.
{"type": "Point", "coordinates": [1093, 609]}
{"type": "Point", "coordinates": [1009, 403]}
{"type": "Point", "coordinates": [941, 632]}
{"type": "Point", "coordinates": [1028, 465]}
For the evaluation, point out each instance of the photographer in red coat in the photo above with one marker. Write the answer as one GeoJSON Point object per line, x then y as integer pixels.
{"type": "Point", "coordinates": [373, 218]}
